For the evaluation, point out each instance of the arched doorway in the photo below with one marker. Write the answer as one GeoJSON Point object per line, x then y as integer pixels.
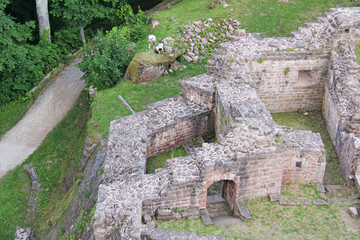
{"type": "Point", "coordinates": [220, 201]}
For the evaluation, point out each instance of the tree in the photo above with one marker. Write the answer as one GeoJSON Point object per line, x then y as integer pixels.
{"type": "Point", "coordinates": [81, 13]}
{"type": "Point", "coordinates": [43, 18]}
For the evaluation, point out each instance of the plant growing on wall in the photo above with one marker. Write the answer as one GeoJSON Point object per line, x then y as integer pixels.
{"type": "Point", "coordinates": [287, 70]}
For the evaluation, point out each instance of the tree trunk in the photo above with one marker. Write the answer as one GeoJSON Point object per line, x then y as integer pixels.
{"type": "Point", "coordinates": [82, 34]}
{"type": "Point", "coordinates": [43, 18]}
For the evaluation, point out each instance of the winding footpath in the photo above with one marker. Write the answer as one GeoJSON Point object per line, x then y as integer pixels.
{"type": "Point", "coordinates": [50, 107]}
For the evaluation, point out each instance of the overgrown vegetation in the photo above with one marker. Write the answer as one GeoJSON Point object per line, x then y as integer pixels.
{"type": "Point", "coordinates": [159, 160]}
{"type": "Point", "coordinates": [107, 57]}
{"type": "Point", "coordinates": [25, 57]}
{"type": "Point", "coordinates": [315, 122]}
{"type": "Point", "coordinates": [60, 150]}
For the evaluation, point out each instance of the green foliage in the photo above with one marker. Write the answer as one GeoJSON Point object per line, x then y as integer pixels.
{"type": "Point", "coordinates": [138, 32]}
{"type": "Point", "coordinates": [126, 16]}
{"type": "Point", "coordinates": [287, 70]}
{"type": "Point", "coordinates": [357, 52]}
{"type": "Point", "coordinates": [105, 63]}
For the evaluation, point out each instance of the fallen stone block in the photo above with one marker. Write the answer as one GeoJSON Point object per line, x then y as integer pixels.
{"type": "Point", "coordinates": [163, 212]}
{"type": "Point", "coordinates": [241, 210]}
{"type": "Point", "coordinates": [191, 213]}
{"type": "Point", "coordinates": [353, 212]}
{"type": "Point", "coordinates": [274, 197]}
{"type": "Point", "coordinates": [282, 200]}
{"type": "Point", "coordinates": [147, 218]}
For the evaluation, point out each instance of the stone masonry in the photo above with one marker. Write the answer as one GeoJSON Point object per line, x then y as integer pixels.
{"type": "Point", "coordinates": [247, 79]}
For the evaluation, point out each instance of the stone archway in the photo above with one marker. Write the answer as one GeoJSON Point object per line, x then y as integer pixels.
{"type": "Point", "coordinates": [222, 190]}
{"type": "Point", "coordinates": [220, 202]}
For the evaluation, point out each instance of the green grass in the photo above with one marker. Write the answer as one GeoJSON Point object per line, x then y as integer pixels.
{"type": "Point", "coordinates": [11, 113]}
{"type": "Point", "coordinates": [304, 191]}
{"type": "Point", "coordinates": [357, 52]}
{"type": "Point", "coordinates": [14, 192]}
{"type": "Point", "coordinates": [264, 16]}
{"type": "Point", "coordinates": [60, 150]}
{"type": "Point", "coordinates": [273, 221]}
{"type": "Point", "coordinates": [316, 123]}
{"type": "Point", "coordinates": [107, 107]}
{"type": "Point", "coordinates": [159, 160]}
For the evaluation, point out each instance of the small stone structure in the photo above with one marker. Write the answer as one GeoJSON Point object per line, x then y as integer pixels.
{"type": "Point", "coordinates": [247, 79]}
{"type": "Point", "coordinates": [23, 234]}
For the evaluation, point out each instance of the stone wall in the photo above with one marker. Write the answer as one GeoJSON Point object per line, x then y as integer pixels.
{"type": "Point", "coordinates": [341, 107]}
{"type": "Point", "coordinates": [174, 122]}
{"type": "Point", "coordinates": [290, 85]}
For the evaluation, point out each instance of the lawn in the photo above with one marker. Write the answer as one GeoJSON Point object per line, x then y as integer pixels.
{"type": "Point", "coordinates": [273, 221]}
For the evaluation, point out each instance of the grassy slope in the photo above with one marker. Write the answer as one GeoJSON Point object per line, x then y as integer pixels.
{"type": "Point", "coordinates": [265, 16]}
{"type": "Point", "coordinates": [62, 148]}
{"type": "Point", "coordinates": [107, 107]}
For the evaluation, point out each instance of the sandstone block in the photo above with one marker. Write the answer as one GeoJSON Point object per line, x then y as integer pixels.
{"type": "Point", "coordinates": [353, 212]}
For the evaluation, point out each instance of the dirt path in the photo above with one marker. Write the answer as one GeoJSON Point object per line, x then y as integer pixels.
{"type": "Point", "coordinates": [48, 110]}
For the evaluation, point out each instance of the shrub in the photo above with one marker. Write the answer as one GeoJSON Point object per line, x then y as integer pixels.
{"type": "Point", "coordinates": [138, 32]}
{"type": "Point", "coordinates": [105, 63]}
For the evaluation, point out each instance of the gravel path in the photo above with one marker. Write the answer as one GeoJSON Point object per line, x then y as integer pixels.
{"type": "Point", "coordinates": [50, 107]}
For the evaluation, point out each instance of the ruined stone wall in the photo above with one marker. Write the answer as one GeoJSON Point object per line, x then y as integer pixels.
{"type": "Point", "coordinates": [290, 85]}
{"type": "Point", "coordinates": [341, 107]}
{"type": "Point", "coordinates": [349, 155]}
{"type": "Point", "coordinates": [200, 89]}
{"type": "Point", "coordinates": [305, 158]}
{"type": "Point", "coordinates": [174, 135]}
{"type": "Point", "coordinates": [188, 120]}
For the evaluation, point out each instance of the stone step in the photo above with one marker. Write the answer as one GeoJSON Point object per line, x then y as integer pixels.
{"type": "Point", "coordinates": [225, 220]}
{"type": "Point", "coordinates": [215, 199]}
{"type": "Point", "coordinates": [217, 209]}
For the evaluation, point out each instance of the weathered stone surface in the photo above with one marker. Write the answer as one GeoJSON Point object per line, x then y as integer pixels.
{"type": "Point", "coordinates": [35, 188]}
{"type": "Point", "coordinates": [241, 210]}
{"type": "Point", "coordinates": [161, 234]}
{"type": "Point", "coordinates": [147, 218]}
{"type": "Point", "coordinates": [320, 187]}
{"type": "Point", "coordinates": [282, 200]}
{"type": "Point", "coordinates": [274, 197]}
{"type": "Point", "coordinates": [353, 212]}
{"type": "Point", "coordinates": [319, 202]}
{"type": "Point", "coordinates": [148, 65]}
{"type": "Point", "coordinates": [192, 213]}
{"type": "Point", "coordinates": [23, 234]}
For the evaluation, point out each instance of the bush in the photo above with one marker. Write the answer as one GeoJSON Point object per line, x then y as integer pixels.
{"type": "Point", "coordinates": [138, 32]}
{"type": "Point", "coordinates": [105, 63]}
